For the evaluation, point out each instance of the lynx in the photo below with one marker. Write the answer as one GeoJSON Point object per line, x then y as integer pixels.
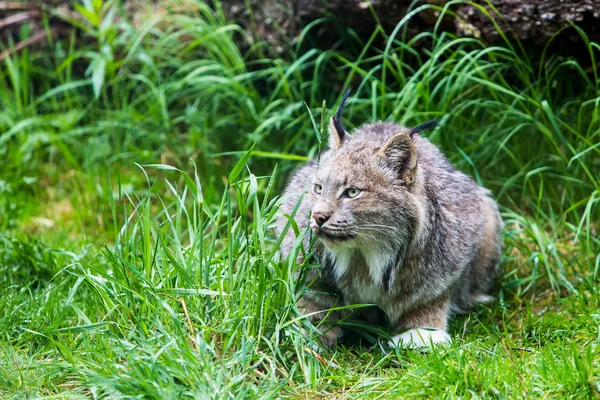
{"type": "Point", "coordinates": [396, 226]}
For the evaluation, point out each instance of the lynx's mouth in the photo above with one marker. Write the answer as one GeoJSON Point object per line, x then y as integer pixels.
{"type": "Point", "coordinates": [333, 235]}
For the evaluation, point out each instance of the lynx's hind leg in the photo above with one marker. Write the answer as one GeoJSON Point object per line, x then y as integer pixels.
{"type": "Point", "coordinates": [428, 326]}
{"type": "Point", "coordinates": [478, 279]}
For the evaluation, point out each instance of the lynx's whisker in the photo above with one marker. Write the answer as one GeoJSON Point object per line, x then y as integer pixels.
{"type": "Point", "coordinates": [377, 226]}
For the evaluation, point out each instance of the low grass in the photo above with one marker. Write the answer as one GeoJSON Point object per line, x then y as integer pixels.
{"type": "Point", "coordinates": [137, 257]}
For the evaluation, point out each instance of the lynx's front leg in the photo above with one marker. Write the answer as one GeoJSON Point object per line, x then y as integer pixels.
{"type": "Point", "coordinates": [315, 303]}
{"type": "Point", "coordinates": [315, 307]}
{"type": "Point", "coordinates": [427, 326]}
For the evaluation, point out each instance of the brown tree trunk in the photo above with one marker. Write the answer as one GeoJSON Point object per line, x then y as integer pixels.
{"type": "Point", "coordinates": [532, 21]}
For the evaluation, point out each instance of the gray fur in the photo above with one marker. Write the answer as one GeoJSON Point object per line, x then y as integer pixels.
{"type": "Point", "coordinates": [419, 239]}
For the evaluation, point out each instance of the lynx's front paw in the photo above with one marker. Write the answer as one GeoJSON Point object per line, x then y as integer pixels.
{"type": "Point", "coordinates": [420, 337]}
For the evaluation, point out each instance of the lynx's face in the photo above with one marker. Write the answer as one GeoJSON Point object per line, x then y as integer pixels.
{"type": "Point", "coordinates": [360, 198]}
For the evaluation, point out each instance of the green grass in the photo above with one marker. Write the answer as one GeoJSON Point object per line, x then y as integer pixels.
{"type": "Point", "coordinates": [137, 257]}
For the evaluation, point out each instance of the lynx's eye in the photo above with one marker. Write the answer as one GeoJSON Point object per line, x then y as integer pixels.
{"type": "Point", "coordinates": [317, 188]}
{"type": "Point", "coordinates": [352, 192]}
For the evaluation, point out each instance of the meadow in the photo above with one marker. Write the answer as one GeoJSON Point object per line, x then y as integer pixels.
{"type": "Point", "coordinates": [141, 162]}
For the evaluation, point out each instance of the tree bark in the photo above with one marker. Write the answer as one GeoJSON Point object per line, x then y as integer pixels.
{"type": "Point", "coordinates": [534, 22]}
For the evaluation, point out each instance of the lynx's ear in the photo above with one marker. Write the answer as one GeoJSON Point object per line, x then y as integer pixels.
{"type": "Point", "coordinates": [337, 134]}
{"type": "Point", "coordinates": [401, 155]}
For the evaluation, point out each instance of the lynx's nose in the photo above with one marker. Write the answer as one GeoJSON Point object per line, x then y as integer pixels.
{"type": "Point", "coordinates": [321, 217]}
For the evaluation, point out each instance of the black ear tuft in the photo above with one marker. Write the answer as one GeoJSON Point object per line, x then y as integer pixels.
{"type": "Point", "coordinates": [337, 133]}
{"type": "Point", "coordinates": [424, 127]}
{"type": "Point", "coordinates": [337, 118]}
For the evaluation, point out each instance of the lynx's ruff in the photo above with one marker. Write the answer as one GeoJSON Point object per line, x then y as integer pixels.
{"type": "Point", "coordinates": [397, 226]}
